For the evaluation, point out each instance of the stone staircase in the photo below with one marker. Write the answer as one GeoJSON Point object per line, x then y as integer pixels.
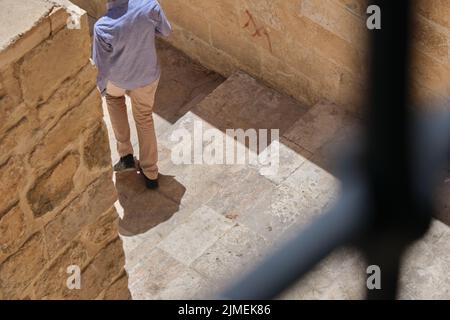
{"type": "Point", "coordinates": [209, 223]}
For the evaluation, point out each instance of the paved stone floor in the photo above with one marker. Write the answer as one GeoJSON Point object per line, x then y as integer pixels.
{"type": "Point", "coordinates": [209, 223]}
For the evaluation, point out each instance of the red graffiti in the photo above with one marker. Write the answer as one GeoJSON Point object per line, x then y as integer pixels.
{"type": "Point", "coordinates": [259, 31]}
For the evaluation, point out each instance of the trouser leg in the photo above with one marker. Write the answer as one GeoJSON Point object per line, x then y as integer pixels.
{"type": "Point", "coordinates": [142, 100]}
{"type": "Point", "coordinates": [117, 110]}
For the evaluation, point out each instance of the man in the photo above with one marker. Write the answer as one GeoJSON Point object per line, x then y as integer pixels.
{"type": "Point", "coordinates": [125, 55]}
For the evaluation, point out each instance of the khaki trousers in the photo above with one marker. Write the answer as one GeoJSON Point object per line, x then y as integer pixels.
{"type": "Point", "coordinates": [142, 100]}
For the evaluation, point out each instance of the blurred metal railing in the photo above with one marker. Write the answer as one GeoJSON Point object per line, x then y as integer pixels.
{"type": "Point", "coordinates": [387, 184]}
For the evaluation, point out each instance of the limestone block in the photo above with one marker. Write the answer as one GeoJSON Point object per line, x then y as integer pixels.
{"type": "Point", "coordinates": [103, 230]}
{"type": "Point", "coordinates": [431, 74]}
{"type": "Point", "coordinates": [67, 129]}
{"type": "Point", "coordinates": [331, 16]}
{"type": "Point", "coordinates": [18, 139]}
{"type": "Point", "coordinates": [256, 17]}
{"type": "Point", "coordinates": [10, 97]}
{"type": "Point", "coordinates": [331, 45]}
{"type": "Point", "coordinates": [437, 11]}
{"type": "Point", "coordinates": [106, 267]}
{"type": "Point", "coordinates": [434, 41]}
{"type": "Point", "coordinates": [118, 290]}
{"type": "Point", "coordinates": [54, 186]}
{"type": "Point", "coordinates": [199, 50]}
{"type": "Point", "coordinates": [96, 152]}
{"type": "Point", "coordinates": [357, 7]}
{"type": "Point", "coordinates": [425, 98]}
{"type": "Point", "coordinates": [182, 16]}
{"type": "Point", "coordinates": [19, 269]}
{"type": "Point", "coordinates": [278, 74]}
{"type": "Point", "coordinates": [12, 177]}
{"type": "Point", "coordinates": [304, 59]}
{"type": "Point", "coordinates": [46, 67]}
{"type": "Point", "coordinates": [264, 12]}
{"type": "Point", "coordinates": [58, 18]}
{"type": "Point", "coordinates": [68, 95]}
{"type": "Point", "coordinates": [51, 284]}
{"type": "Point", "coordinates": [12, 231]}
{"type": "Point", "coordinates": [224, 12]}
{"type": "Point", "coordinates": [234, 43]}
{"type": "Point", "coordinates": [82, 211]}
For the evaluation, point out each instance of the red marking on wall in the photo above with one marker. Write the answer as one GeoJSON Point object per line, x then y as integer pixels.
{"type": "Point", "coordinates": [259, 31]}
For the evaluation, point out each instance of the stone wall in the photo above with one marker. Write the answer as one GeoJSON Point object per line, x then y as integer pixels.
{"type": "Point", "coordinates": [57, 196]}
{"type": "Point", "coordinates": [310, 49]}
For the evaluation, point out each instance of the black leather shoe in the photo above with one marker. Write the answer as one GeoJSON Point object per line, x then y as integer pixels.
{"type": "Point", "coordinates": [151, 184]}
{"type": "Point", "coordinates": [125, 163]}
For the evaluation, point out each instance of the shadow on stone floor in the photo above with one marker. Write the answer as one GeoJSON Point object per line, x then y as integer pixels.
{"type": "Point", "coordinates": [190, 82]}
{"type": "Point", "coordinates": [144, 209]}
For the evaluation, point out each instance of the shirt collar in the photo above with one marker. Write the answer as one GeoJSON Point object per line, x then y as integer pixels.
{"type": "Point", "coordinates": [115, 3]}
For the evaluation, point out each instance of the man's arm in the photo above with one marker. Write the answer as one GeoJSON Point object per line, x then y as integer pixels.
{"type": "Point", "coordinates": [162, 25]}
{"type": "Point", "coordinates": [101, 53]}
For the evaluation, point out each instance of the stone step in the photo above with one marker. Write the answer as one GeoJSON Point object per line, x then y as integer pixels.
{"type": "Point", "coordinates": [243, 102]}
{"type": "Point", "coordinates": [323, 131]}
{"type": "Point", "coordinates": [303, 190]}
{"type": "Point", "coordinates": [327, 129]}
{"type": "Point", "coordinates": [223, 219]}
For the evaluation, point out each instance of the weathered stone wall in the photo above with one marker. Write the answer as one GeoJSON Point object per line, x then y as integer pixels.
{"type": "Point", "coordinates": [57, 196]}
{"type": "Point", "coordinates": [310, 49]}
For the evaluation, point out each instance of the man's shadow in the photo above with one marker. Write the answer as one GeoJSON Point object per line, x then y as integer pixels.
{"type": "Point", "coordinates": [144, 209]}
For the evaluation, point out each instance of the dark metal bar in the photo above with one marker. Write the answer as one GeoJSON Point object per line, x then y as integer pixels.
{"type": "Point", "coordinates": [433, 149]}
{"type": "Point", "coordinates": [400, 215]}
{"type": "Point", "coordinates": [389, 263]}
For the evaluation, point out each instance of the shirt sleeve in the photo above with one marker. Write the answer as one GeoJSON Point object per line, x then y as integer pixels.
{"type": "Point", "coordinates": [101, 54]}
{"type": "Point", "coordinates": [162, 27]}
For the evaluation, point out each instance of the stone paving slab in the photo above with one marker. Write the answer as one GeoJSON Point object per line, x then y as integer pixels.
{"type": "Point", "coordinates": [319, 126]}
{"type": "Point", "coordinates": [279, 211]}
{"type": "Point", "coordinates": [425, 272]}
{"type": "Point", "coordinates": [189, 240]}
{"type": "Point", "coordinates": [235, 252]}
{"type": "Point", "coordinates": [223, 219]}
{"type": "Point", "coordinates": [154, 274]}
{"type": "Point", "coordinates": [242, 102]}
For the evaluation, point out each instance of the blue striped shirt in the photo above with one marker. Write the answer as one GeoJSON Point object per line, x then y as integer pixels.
{"type": "Point", "coordinates": [124, 43]}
